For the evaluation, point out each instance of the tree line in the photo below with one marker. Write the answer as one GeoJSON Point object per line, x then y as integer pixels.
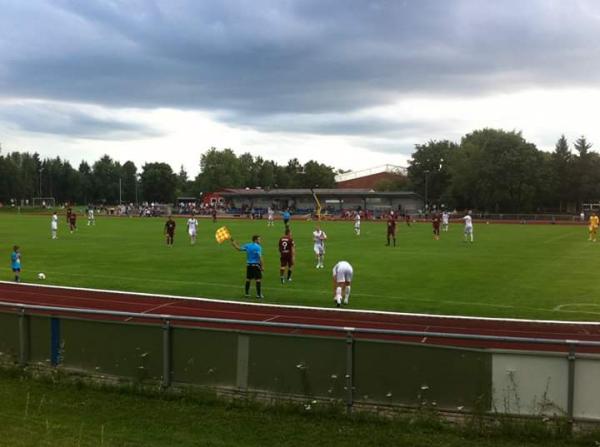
{"type": "Point", "coordinates": [25, 175]}
{"type": "Point", "coordinates": [490, 170]}
{"type": "Point", "coordinates": [493, 170]}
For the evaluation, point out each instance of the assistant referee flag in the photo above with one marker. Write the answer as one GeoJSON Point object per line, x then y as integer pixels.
{"type": "Point", "coordinates": [222, 235]}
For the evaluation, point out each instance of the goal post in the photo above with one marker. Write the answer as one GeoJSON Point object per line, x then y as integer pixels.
{"type": "Point", "coordinates": [43, 202]}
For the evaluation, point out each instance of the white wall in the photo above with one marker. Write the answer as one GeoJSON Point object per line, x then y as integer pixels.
{"type": "Point", "coordinates": [529, 384]}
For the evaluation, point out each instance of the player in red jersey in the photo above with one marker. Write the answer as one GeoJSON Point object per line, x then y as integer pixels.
{"type": "Point", "coordinates": [170, 231]}
{"type": "Point", "coordinates": [72, 221]}
{"type": "Point", "coordinates": [391, 228]}
{"type": "Point", "coordinates": [435, 221]}
{"type": "Point", "coordinates": [287, 255]}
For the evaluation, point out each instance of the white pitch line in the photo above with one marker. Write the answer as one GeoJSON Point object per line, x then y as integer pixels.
{"type": "Point", "coordinates": [561, 307]}
{"type": "Point", "coordinates": [321, 309]}
{"type": "Point", "coordinates": [150, 310]}
{"type": "Point", "coordinates": [294, 290]}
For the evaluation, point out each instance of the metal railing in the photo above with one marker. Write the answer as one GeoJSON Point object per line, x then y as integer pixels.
{"type": "Point", "coordinates": [349, 332]}
{"type": "Point", "coordinates": [303, 326]}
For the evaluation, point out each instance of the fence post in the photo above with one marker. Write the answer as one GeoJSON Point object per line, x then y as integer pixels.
{"type": "Point", "coordinates": [243, 356]}
{"type": "Point", "coordinates": [55, 354]}
{"type": "Point", "coordinates": [571, 384]}
{"type": "Point", "coordinates": [166, 382]}
{"type": "Point", "coordinates": [349, 370]}
{"type": "Point", "coordinates": [23, 338]}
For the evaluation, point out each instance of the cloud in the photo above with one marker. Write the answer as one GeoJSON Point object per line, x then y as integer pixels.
{"type": "Point", "coordinates": [360, 80]}
{"type": "Point", "coordinates": [72, 121]}
{"type": "Point", "coordinates": [273, 57]}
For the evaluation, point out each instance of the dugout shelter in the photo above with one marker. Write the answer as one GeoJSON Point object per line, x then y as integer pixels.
{"type": "Point", "coordinates": [334, 200]}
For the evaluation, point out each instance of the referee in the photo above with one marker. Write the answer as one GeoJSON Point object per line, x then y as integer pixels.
{"type": "Point", "coordinates": [254, 264]}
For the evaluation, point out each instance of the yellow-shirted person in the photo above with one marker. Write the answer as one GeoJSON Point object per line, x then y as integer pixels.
{"type": "Point", "coordinates": [593, 227]}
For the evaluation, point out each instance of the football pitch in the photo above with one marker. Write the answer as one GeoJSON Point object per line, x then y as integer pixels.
{"type": "Point", "coordinates": [514, 271]}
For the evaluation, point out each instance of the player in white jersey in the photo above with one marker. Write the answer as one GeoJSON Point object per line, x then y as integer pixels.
{"type": "Point", "coordinates": [319, 238]}
{"type": "Point", "coordinates": [91, 220]}
{"type": "Point", "coordinates": [192, 226]}
{"type": "Point", "coordinates": [54, 225]}
{"type": "Point", "coordinates": [445, 220]}
{"type": "Point", "coordinates": [270, 217]}
{"type": "Point", "coordinates": [357, 223]}
{"type": "Point", "coordinates": [342, 281]}
{"type": "Point", "coordinates": [468, 227]}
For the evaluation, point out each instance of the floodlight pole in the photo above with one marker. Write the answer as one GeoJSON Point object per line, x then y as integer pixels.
{"type": "Point", "coordinates": [40, 171]}
{"type": "Point", "coordinates": [426, 189]}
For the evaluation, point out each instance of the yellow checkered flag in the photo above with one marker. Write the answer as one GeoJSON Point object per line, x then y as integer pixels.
{"type": "Point", "coordinates": [222, 235]}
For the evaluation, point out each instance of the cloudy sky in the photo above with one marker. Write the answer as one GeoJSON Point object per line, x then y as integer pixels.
{"type": "Point", "coordinates": [351, 83]}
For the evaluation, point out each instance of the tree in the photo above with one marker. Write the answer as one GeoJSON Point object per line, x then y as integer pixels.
{"type": "Point", "coordinates": [582, 146]}
{"type": "Point", "coordinates": [185, 187]}
{"type": "Point", "coordinates": [248, 170]}
{"type": "Point", "coordinates": [428, 170]}
{"type": "Point", "coordinates": [218, 170]}
{"type": "Point", "coordinates": [106, 174]}
{"type": "Point", "coordinates": [585, 169]}
{"type": "Point", "coordinates": [495, 170]}
{"type": "Point", "coordinates": [561, 170]}
{"type": "Point", "coordinates": [317, 175]}
{"type": "Point", "coordinates": [8, 175]}
{"type": "Point", "coordinates": [68, 183]}
{"type": "Point", "coordinates": [129, 180]}
{"type": "Point", "coordinates": [158, 183]}
{"type": "Point", "coordinates": [86, 191]}
{"type": "Point", "coordinates": [266, 173]}
{"type": "Point", "coordinates": [292, 172]}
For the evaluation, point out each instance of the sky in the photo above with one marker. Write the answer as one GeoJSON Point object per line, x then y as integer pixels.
{"type": "Point", "coordinates": [349, 83]}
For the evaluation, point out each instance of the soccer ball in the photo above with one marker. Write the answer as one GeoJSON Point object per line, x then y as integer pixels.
{"type": "Point", "coordinates": [41, 276]}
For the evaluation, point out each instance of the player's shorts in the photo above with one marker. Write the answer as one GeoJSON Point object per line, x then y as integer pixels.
{"type": "Point", "coordinates": [319, 249]}
{"type": "Point", "coordinates": [356, 224]}
{"type": "Point", "coordinates": [192, 233]}
{"type": "Point", "coordinates": [16, 269]}
{"type": "Point", "coordinates": [391, 232]}
{"type": "Point", "coordinates": [344, 274]}
{"type": "Point", "coordinates": [469, 229]}
{"type": "Point", "coordinates": [286, 221]}
{"type": "Point", "coordinates": [436, 230]}
{"type": "Point", "coordinates": [253, 271]}
{"type": "Point", "coordinates": [286, 260]}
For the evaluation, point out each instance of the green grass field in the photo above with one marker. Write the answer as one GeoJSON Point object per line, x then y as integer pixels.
{"type": "Point", "coordinates": [520, 271]}
{"type": "Point", "coordinates": [44, 413]}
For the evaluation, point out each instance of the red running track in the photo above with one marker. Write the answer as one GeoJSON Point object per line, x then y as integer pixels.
{"type": "Point", "coordinates": [198, 307]}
